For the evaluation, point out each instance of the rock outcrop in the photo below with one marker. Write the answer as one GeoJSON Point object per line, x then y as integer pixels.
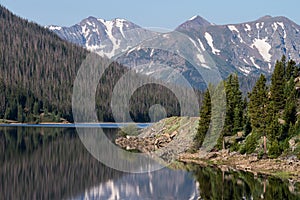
{"type": "Point", "coordinates": [167, 138]}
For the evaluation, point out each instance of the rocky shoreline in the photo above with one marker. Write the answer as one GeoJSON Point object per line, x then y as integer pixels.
{"type": "Point", "coordinates": [171, 138]}
{"type": "Point", "coordinates": [284, 168]}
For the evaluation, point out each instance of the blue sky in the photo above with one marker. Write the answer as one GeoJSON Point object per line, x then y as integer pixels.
{"type": "Point", "coordinates": [156, 13]}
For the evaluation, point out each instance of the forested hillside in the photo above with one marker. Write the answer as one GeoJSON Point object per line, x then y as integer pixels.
{"type": "Point", "coordinates": [37, 71]}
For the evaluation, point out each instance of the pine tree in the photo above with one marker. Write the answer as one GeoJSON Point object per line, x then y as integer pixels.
{"type": "Point", "coordinates": [273, 129]}
{"type": "Point", "coordinates": [247, 126]}
{"type": "Point", "coordinates": [290, 109]}
{"type": "Point", "coordinates": [257, 106]}
{"type": "Point", "coordinates": [204, 121]}
{"type": "Point", "coordinates": [290, 70]}
{"type": "Point", "coordinates": [277, 87]}
{"type": "Point", "coordinates": [238, 105]}
{"type": "Point", "coordinates": [234, 106]}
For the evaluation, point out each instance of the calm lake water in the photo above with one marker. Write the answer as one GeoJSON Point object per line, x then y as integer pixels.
{"type": "Point", "coordinates": [52, 163]}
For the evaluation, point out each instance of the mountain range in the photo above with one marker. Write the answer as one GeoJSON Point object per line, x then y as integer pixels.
{"type": "Point", "coordinates": [248, 48]}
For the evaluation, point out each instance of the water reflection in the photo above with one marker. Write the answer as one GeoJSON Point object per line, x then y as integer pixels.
{"type": "Point", "coordinates": [51, 163]}
{"type": "Point", "coordinates": [217, 184]}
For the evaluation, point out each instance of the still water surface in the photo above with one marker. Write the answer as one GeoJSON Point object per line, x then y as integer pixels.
{"type": "Point", "coordinates": [52, 163]}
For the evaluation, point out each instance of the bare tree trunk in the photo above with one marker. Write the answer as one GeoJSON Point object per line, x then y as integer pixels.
{"type": "Point", "coordinates": [265, 145]}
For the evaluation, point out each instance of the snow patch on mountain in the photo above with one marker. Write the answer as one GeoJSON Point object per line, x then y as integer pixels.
{"type": "Point", "coordinates": [248, 27]}
{"type": "Point", "coordinates": [275, 27]}
{"type": "Point", "coordinates": [152, 52]}
{"type": "Point", "coordinates": [201, 45]}
{"type": "Point", "coordinates": [260, 25]}
{"type": "Point", "coordinates": [210, 41]}
{"type": "Point", "coordinates": [200, 55]}
{"type": "Point", "coordinates": [52, 28]}
{"type": "Point", "coordinates": [245, 70]}
{"type": "Point", "coordinates": [254, 64]}
{"type": "Point", "coordinates": [194, 17]}
{"type": "Point", "coordinates": [283, 28]}
{"type": "Point", "coordinates": [263, 48]}
{"type": "Point", "coordinates": [245, 61]}
{"type": "Point", "coordinates": [109, 25]}
{"type": "Point", "coordinates": [85, 31]}
{"type": "Point", "coordinates": [120, 25]}
{"type": "Point", "coordinates": [233, 28]}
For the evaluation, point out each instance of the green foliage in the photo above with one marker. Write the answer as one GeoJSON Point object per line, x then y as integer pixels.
{"type": "Point", "coordinates": [250, 143]}
{"type": "Point", "coordinates": [258, 105]}
{"type": "Point", "coordinates": [271, 112]}
{"type": "Point", "coordinates": [234, 106]}
{"type": "Point", "coordinates": [235, 147]}
{"type": "Point", "coordinates": [274, 149]}
{"type": "Point", "coordinates": [247, 127]}
{"type": "Point", "coordinates": [290, 110]}
{"type": "Point", "coordinates": [273, 129]}
{"type": "Point", "coordinates": [234, 116]}
{"type": "Point", "coordinates": [278, 84]}
{"type": "Point", "coordinates": [204, 121]}
{"type": "Point", "coordinates": [131, 130]}
{"type": "Point", "coordinates": [291, 70]}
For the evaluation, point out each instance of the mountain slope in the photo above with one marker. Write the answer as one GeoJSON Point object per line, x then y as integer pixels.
{"type": "Point", "coordinates": [249, 46]}
{"type": "Point", "coordinates": [36, 67]}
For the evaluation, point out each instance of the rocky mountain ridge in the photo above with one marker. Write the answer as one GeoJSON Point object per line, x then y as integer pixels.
{"type": "Point", "coordinates": [248, 48]}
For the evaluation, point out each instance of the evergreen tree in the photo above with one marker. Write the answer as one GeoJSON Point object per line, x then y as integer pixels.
{"type": "Point", "coordinates": [257, 106]}
{"type": "Point", "coordinates": [290, 109]}
{"type": "Point", "coordinates": [234, 106]}
{"type": "Point", "coordinates": [204, 121]}
{"type": "Point", "coordinates": [247, 127]}
{"type": "Point", "coordinates": [290, 70]}
{"type": "Point", "coordinates": [273, 129]}
{"type": "Point", "coordinates": [238, 105]}
{"type": "Point", "coordinates": [278, 85]}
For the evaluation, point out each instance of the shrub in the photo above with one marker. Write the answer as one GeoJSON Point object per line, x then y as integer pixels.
{"type": "Point", "coordinates": [128, 130]}
{"type": "Point", "coordinates": [250, 143]}
{"type": "Point", "coordinates": [274, 149]}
